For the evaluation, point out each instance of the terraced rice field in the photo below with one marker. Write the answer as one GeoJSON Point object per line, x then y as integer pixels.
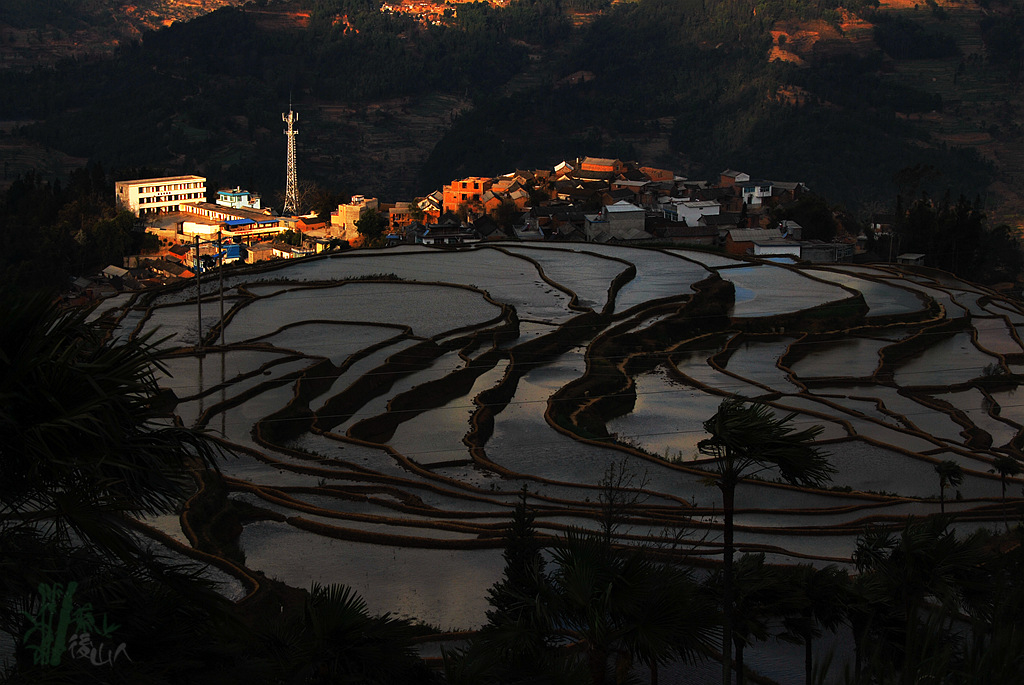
{"type": "Point", "coordinates": [389, 406]}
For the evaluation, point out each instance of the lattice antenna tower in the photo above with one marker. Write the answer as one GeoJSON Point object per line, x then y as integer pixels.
{"type": "Point", "coordinates": [291, 190]}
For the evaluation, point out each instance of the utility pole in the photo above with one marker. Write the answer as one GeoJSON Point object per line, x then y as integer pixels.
{"type": "Point", "coordinates": [220, 270]}
{"type": "Point", "coordinates": [291, 190]}
{"type": "Point", "coordinates": [199, 299]}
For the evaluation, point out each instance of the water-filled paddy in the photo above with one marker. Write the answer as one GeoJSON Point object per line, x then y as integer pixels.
{"type": "Point", "coordinates": [776, 290]}
{"type": "Point", "coordinates": [191, 375]}
{"type": "Point", "coordinates": [843, 357]}
{"type": "Point", "coordinates": [380, 574]}
{"type": "Point", "coordinates": [977, 407]}
{"type": "Point", "coordinates": [883, 299]}
{"type": "Point", "coordinates": [668, 417]}
{"type": "Point", "coordinates": [586, 275]}
{"type": "Point", "coordinates": [177, 325]}
{"type": "Point", "coordinates": [341, 322]}
{"type": "Point", "coordinates": [756, 361]}
{"type": "Point", "coordinates": [658, 273]}
{"type": "Point", "coordinates": [429, 310]}
{"type": "Point", "coordinates": [361, 366]}
{"type": "Point", "coordinates": [899, 410]}
{"type": "Point", "coordinates": [968, 299]}
{"type": "Point", "coordinates": [945, 362]}
{"type": "Point", "coordinates": [332, 341]}
{"type": "Point", "coordinates": [694, 365]}
{"type": "Point", "coordinates": [951, 307]}
{"type": "Point", "coordinates": [111, 305]}
{"type": "Point", "coordinates": [439, 368]}
{"type": "Point", "coordinates": [995, 336]}
{"type": "Point", "coordinates": [709, 259]}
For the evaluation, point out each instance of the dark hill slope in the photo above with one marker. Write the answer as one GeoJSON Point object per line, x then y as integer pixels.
{"type": "Point", "coordinates": [396, 108]}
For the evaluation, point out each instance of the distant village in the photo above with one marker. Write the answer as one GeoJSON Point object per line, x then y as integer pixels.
{"type": "Point", "coordinates": [583, 200]}
{"type": "Point", "coordinates": [435, 12]}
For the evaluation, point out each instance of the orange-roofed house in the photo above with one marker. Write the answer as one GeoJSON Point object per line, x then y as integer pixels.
{"type": "Point", "coordinates": [520, 197]}
{"type": "Point", "coordinates": [657, 175]}
{"type": "Point", "coordinates": [307, 224]}
{"type": "Point", "coordinates": [491, 200]}
{"type": "Point", "coordinates": [599, 165]}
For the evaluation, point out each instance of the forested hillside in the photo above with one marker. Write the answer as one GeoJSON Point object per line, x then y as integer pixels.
{"type": "Point", "coordinates": [43, 32]}
{"type": "Point", "coordinates": [841, 98]}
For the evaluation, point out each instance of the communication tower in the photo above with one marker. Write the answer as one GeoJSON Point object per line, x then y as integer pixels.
{"type": "Point", "coordinates": [291, 190]}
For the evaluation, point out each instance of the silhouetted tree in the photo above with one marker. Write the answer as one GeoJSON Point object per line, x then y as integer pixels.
{"type": "Point", "coordinates": [950, 475]}
{"type": "Point", "coordinates": [746, 440]}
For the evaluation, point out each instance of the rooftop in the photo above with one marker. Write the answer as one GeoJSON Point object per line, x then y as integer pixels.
{"type": "Point", "coordinates": [165, 179]}
{"type": "Point", "coordinates": [238, 213]}
{"type": "Point", "coordinates": [754, 234]}
{"type": "Point", "coordinates": [622, 206]}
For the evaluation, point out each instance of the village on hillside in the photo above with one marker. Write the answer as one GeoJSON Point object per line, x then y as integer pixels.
{"type": "Point", "coordinates": [583, 200]}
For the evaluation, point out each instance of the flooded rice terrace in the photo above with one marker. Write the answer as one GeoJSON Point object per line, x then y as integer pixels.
{"type": "Point", "coordinates": [387, 407]}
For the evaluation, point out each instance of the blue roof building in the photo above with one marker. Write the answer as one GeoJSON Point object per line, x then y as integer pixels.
{"type": "Point", "coordinates": [238, 199]}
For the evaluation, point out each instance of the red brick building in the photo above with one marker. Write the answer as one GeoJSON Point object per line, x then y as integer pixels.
{"type": "Point", "coordinates": [466, 191]}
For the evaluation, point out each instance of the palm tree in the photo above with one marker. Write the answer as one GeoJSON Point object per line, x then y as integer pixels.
{"type": "Point", "coordinates": [822, 597]}
{"type": "Point", "coordinates": [592, 589]}
{"type": "Point", "coordinates": [760, 595]}
{"type": "Point", "coordinates": [335, 639]}
{"type": "Point", "coordinates": [84, 447]}
{"type": "Point", "coordinates": [595, 606]}
{"type": "Point", "coordinates": [746, 440]}
{"type": "Point", "coordinates": [672, 619]}
{"type": "Point", "coordinates": [1006, 466]}
{"type": "Point", "coordinates": [925, 570]}
{"type": "Point", "coordinates": [601, 607]}
{"type": "Point", "coordinates": [82, 440]}
{"type": "Point", "coordinates": [950, 475]}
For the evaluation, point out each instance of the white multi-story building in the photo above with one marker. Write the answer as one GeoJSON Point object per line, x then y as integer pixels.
{"type": "Point", "coordinates": [755, 192]}
{"type": "Point", "coordinates": [689, 211]}
{"type": "Point", "coordinates": [238, 199]}
{"type": "Point", "coordinates": [168, 194]}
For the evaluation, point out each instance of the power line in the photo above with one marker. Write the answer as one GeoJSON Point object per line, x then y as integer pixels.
{"type": "Point", "coordinates": [662, 358]}
{"type": "Point", "coordinates": [849, 413]}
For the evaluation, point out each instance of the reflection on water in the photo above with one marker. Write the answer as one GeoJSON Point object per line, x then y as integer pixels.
{"type": "Point", "coordinates": [994, 336]}
{"type": "Point", "coordinates": [668, 417]}
{"type": "Point", "coordinates": [429, 310]}
{"type": "Point", "coordinates": [586, 275]}
{"type": "Point", "coordinates": [756, 361]}
{"type": "Point", "coordinates": [945, 362]}
{"type": "Point", "coordinates": [448, 482]}
{"type": "Point", "coordinates": [777, 290]}
{"type": "Point", "coordinates": [402, 580]}
{"type": "Point", "coordinates": [857, 357]}
{"type": "Point", "coordinates": [883, 299]}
